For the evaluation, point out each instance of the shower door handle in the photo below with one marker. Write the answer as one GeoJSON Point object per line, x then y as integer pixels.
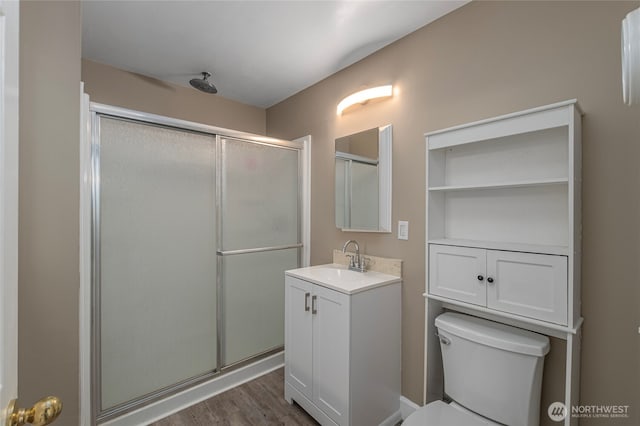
{"type": "Point", "coordinates": [306, 302]}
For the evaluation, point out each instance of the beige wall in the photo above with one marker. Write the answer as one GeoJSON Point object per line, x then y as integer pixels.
{"type": "Point", "coordinates": [486, 59]}
{"type": "Point", "coordinates": [49, 181]}
{"type": "Point", "coordinates": [112, 86]}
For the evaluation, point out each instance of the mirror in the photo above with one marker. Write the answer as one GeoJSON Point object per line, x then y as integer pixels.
{"type": "Point", "coordinates": [363, 180]}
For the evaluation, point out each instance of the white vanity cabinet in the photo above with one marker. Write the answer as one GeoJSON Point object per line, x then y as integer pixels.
{"type": "Point", "coordinates": [342, 351]}
{"type": "Point", "coordinates": [316, 346]}
{"type": "Point", "coordinates": [527, 284]}
{"type": "Point", "coordinates": [503, 229]}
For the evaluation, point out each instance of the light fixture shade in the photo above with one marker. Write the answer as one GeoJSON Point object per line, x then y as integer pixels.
{"type": "Point", "coordinates": [631, 58]}
{"type": "Point", "coordinates": [365, 96]}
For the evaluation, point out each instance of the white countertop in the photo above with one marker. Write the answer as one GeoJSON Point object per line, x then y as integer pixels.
{"type": "Point", "coordinates": [340, 278]}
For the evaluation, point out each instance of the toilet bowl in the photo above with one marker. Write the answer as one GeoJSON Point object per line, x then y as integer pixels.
{"type": "Point", "coordinates": [499, 384]}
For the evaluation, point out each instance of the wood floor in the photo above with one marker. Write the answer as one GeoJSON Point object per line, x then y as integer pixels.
{"type": "Point", "coordinates": [256, 403]}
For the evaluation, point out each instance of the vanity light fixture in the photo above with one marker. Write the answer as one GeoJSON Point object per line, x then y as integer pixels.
{"type": "Point", "coordinates": [365, 96]}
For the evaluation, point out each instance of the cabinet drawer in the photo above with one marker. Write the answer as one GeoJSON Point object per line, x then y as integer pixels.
{"type": "Point", "coordinates": [454, 273]}
{"type": "Point", "coordinates": [531, 285]}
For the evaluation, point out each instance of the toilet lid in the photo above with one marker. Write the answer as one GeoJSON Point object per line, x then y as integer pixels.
{"type": "Point", "coordinates": [439, 413]}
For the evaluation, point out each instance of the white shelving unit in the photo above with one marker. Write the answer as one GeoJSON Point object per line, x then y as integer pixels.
{"type": "Point", "coordinates": [504, 227]}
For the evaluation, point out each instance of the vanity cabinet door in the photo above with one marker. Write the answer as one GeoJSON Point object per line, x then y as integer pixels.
{"type": "Point", "coordinates": [527, 284]}
{"type": "Point", "coordinates": [298, 335]}
{"type": "Point", "coordinates": [331, 325]}
{"type": "Point", "coordinates": [458, 273]}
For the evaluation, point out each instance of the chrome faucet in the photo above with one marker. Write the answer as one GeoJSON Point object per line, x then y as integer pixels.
{"type": "Point", "coordinates": [355, 262]}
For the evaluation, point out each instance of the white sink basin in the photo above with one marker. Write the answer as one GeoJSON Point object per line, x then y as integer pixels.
{"type": "Point", "coordinates": [329, 273]}
{"type": "Point", "coordinates": [338, 277]}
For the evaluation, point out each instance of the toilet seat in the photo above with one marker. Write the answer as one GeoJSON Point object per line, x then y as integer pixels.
{"type": "Point", "coordinates": [439, 413]}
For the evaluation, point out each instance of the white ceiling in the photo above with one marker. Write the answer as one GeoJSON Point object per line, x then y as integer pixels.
{"type": "Point", "coordinates": [259, 52]}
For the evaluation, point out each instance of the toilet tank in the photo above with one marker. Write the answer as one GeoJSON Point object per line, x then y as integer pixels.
{"type": "Point", "coordinates": [492, 369]}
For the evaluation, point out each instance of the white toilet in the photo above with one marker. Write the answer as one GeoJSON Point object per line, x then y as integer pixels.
{"type": "Point", "coordinates": [492, 374]}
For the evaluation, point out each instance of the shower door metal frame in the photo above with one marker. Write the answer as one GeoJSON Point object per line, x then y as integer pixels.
{"type": "Point", "coordinates": [100, 110]}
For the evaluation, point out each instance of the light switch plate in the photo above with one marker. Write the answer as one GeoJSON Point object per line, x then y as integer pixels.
{"type": "Point", "coordinates": [403, 230]}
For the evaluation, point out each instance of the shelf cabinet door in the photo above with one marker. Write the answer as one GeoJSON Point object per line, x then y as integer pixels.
{"type": "Point", "coordinates": [331, 353]}
{"type": "Point", "coordinates": [298, 335]}
{"type": "Point", "coordinates": [458, 273]}
{"type": "Point", "coordinates": [531, 285]}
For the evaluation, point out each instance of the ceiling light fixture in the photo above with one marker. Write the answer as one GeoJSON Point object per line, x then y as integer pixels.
{"type": "Point", "coordinates": [364, 96]}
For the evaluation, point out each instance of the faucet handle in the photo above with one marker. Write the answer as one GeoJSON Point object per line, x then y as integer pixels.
{"type": "Point", "coordinates": [352, 261]}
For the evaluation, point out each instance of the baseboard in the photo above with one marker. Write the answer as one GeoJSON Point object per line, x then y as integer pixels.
{"type": "Point", "coordinates": [165, 407]}
{"type": "Point", "coordinates": [407, 407]}
{"type": "Point", "coordinates": [392, 420]}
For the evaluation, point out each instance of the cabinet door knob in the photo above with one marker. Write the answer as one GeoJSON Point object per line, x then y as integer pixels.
{"type": "Point", "coordinates": [306, 302]}
{"type": "Point", "coordinates": [480, 278]}
{"type": "Point", "coordinates": [314, 304]}
{"type": "Point", "coordinates": [489, 280]}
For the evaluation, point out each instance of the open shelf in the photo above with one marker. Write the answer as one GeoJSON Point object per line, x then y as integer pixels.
{"type": "Point", "coordinates": [535, 215]}
{"type": "Point", "coordinates": [530, 158]}
{"type": "Point", "coordinates": [502, 185]}
{"type": "Point", "coordinates": [507, 246]}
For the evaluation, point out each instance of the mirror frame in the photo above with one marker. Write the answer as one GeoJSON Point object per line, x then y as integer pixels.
{"type": "Point", "coordinates": [385, 143]}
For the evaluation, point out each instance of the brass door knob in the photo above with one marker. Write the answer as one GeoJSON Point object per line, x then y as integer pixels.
{"type": "Point", "coordinates": [42, 413]}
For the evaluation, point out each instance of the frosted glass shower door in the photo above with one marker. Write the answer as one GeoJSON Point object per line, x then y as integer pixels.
{"type": "Point", "coordinates": [260, 239]}
{"type": "Point", "coordinates": [157, 264]}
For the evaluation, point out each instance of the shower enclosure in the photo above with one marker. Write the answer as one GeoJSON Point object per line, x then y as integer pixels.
{"type": "Point", "coordinates": [192, 230]}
